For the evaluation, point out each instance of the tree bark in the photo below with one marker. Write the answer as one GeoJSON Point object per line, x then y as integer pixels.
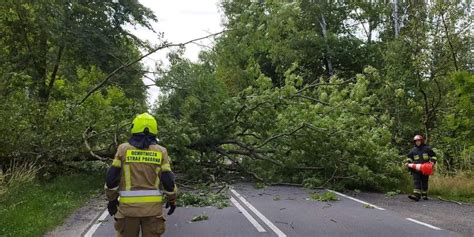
{"type": "Point", "coordinates": [54, 73]}
{"type": "Point", "coordinates": [448, 38]}
{"type": "Point", "coordinates": [86, 143]}
{"type": "Point", "coordinates": [327, 57]}
{"type": "Point", "coordinates": [396, 22]}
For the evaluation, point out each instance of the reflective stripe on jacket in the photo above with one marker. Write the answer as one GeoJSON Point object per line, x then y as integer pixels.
{"type": "Point", "coordinates": [139, 187]}
{"type": "Point", "coordinates": [421, 154]}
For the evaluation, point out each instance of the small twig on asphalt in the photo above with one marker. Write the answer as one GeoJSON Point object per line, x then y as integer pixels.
{"type": "Point", "coordinates": [327, 206]}
{"type": "Point", "coordinates": [447, 200]}
{"type": "Point", "coordinates": [286, 184]}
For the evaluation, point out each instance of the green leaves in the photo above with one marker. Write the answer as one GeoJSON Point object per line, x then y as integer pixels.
{"type": "Point", "coordinates": [309, 93]}
{"type": "Point", "coordinates": [295, 126]}
{"type": "Point", "coordinates": [325, 197]}
{"type": "Point", "coordinates": [51, 55]}
{"type": "Point", "coordinates": [202, 200]}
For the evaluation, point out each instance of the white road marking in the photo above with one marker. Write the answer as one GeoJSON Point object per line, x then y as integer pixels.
{"type": "Point", "coordinates": [249, 217]}
{"type": "Point", "coordinates": [97, 224]}
{"type": "Point", "coordinates": [379, 208]}
{"type": "Point", "coordinates": [355, 199]}
{"type": "Point", "coordinates": [423, 223]}
{"type": "Point", "coordinates": [260, 215]}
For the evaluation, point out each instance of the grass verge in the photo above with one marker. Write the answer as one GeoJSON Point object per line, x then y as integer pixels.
{"type": "Point", "coordinates": [458, 188]}
{"type": "Point", "coordinates": [36, 208]}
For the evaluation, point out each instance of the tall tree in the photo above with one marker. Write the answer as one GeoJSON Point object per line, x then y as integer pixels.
{"type": "Point", "coordinates": [52, 53]}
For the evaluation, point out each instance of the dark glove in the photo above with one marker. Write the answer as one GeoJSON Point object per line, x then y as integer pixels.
{"type": "Point", "coordinates": [112, 207]}
{"type": "Point", "coordinates": [172, 205]}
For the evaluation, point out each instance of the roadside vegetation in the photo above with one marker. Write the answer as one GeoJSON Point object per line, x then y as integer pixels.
{"type": "Point", "coordinates": [303, 93]}
{"type": "Point", "coordinates": [29, 207]}
{"type": "Point", "coordinates": [322, 99]}
{"type": "Point", "coordinates": [459, 187]}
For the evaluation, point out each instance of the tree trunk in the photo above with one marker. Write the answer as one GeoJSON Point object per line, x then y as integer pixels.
{"type": "Point", "coordinates": [41, 68]}
{"type": "Point", "coordinates": [369, 21]}
{"type": "Point", "coordinates": [327, 57]}
{"type": "Point", "coordinates": [448, 38]}
{"type": "Point", "coordinates": [396, 22]}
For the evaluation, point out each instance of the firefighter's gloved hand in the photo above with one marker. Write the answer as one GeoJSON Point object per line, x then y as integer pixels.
{"type": "Point", "coordinates": [171, 204]}
{"type": "Point", "coordinates": [405, 165]}
{"type": "Point", "coordinates": [112, 207]}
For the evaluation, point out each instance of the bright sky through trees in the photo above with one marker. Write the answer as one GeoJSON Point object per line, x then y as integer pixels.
{"type": "Point", "coordinates": [179, 20]}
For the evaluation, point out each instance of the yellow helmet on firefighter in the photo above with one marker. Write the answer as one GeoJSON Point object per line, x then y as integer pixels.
{"type": "Point", "coordinates": [144, 122]}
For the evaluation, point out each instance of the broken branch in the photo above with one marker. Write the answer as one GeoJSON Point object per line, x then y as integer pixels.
{"type": "Point", "coordinates": [138, 60]}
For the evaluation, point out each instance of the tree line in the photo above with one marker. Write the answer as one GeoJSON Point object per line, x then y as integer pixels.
{"type": "Point", "coordinates": [306, 92]}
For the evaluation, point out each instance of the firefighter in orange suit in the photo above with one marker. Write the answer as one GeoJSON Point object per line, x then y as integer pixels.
{"type": "Point", "coordinates": [137, 181]}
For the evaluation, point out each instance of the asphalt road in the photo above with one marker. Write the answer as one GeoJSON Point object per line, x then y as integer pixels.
{"type": "Point", "coordinates": [286, 211]}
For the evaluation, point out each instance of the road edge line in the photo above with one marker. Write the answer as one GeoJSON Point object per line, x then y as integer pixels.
{"type": "Point", "coordinates": [95, 226]}
{"type": "Point", "coordinates": [247, 215]}
{"type": "Point", "coordinates": [259, 214]}
{"type": "Point", "coordinates": [357, 200]}
{"type": "Point", "coordinates": [424, 224]}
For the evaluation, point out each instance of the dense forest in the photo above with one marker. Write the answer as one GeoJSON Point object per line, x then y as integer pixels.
{"type": "Point", "coordinates": [305, 92]}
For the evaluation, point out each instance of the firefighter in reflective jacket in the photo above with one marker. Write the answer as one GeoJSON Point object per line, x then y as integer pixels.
{"type": "Point", "coordinates": [139, 176]}
{"type": "Point", "coordinates": [420, 154]}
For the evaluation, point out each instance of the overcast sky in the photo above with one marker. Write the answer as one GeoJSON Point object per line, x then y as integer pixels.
{"type": "Point", "coordinates": [180, 21]}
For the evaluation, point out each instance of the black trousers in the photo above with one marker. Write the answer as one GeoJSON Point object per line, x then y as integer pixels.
{"type": "Point", "coordinates": [420, 182]}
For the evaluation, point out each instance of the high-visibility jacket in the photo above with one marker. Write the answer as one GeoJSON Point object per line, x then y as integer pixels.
{"type": "Point", "coordinates": [139, 188]}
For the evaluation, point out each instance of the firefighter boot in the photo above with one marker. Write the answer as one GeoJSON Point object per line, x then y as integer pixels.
{"type": "Point", "coordinates": [415, 197]}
